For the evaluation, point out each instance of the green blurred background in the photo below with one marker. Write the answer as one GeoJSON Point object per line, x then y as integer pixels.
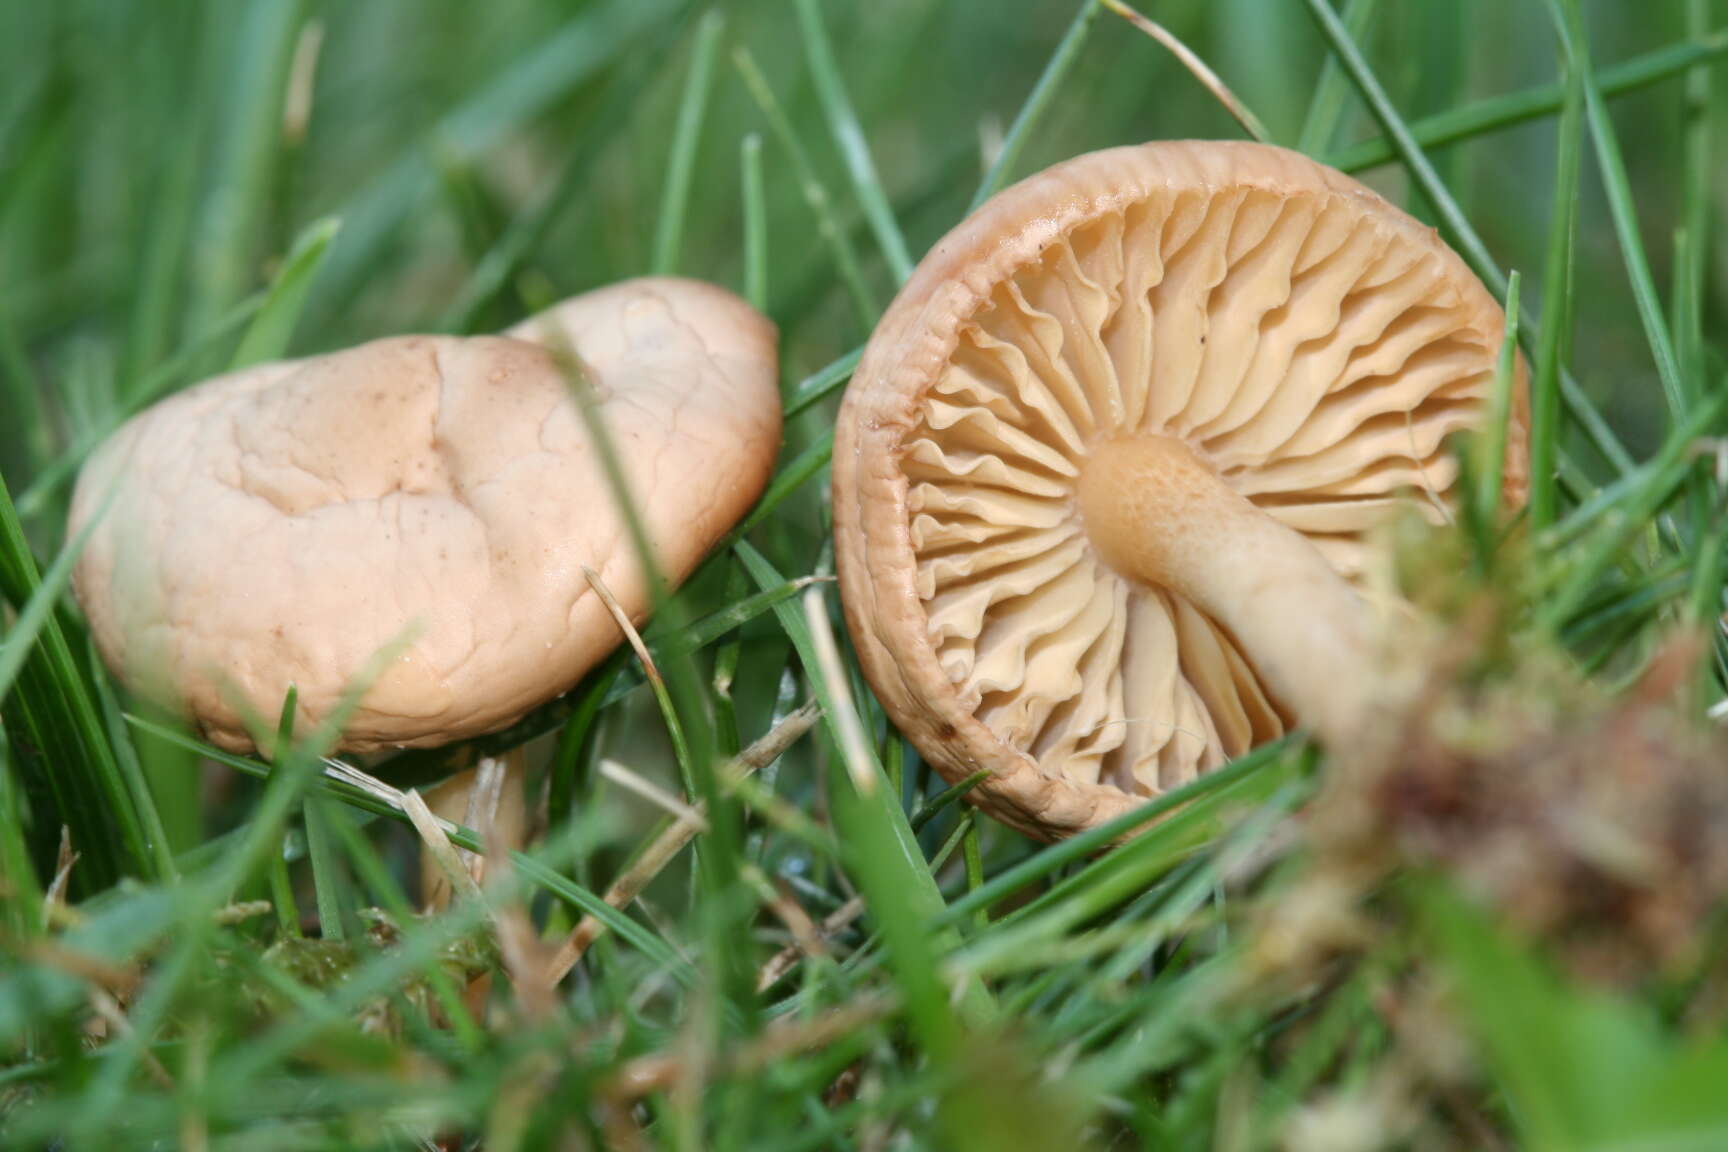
{"type": "Point", "coordinates": [157, 159]}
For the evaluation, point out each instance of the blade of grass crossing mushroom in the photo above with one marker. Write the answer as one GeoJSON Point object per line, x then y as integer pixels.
{"type": "Point", "coordinates": [1326, 107]}
{"type": "Point", "coordinates": [686, 135]}
{"type": "Point", "coordinates": [1197, 67]}
{"type": "Point", "coordinates": [1554, 340]}
{"type": "Point", "coordinates": [849, 138]}
{"type": "Point", "coordinates": [268, 335]}
{"type": "Point", "coordinates": [1620, 206]}
{"type": "Point", "coordinates": [815, 193]}
{"type": "Point", "coordinates": [717, 865]}
{"type": "Point", "coordinates": [426, 765]}
{"type": "Point", "coordinates": [892, 856]}
{"type": "Point", "coordinates": [882, 863]}
{"type": "Point", "coordinates": [1514, 108]}
{"type": "Point", "coordinates": [1470, 245]}
{"type": "Point", "coordinates": [1055, 71]}
{"type": "Point", "coordinates": [847, 729]}
{"type": "Point", "coordinates": [755, 223]}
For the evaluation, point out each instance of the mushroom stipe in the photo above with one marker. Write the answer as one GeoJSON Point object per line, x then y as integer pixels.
{"type": "Point", "coordinates": [1104, 475]}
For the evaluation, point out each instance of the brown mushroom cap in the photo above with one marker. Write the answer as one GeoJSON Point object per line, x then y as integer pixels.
{"type": "Point", "coordinates": [282, 524]}
{"type": "Point", "coordinates": [1275, 346]}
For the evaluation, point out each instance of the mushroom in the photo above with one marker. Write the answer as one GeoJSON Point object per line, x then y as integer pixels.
{"type": "Point", "coordinates": [1103, 476]}
{"type": "Point", "coordinates": [280, 525]}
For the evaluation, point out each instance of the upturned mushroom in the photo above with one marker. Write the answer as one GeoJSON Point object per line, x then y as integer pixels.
{"type": "Point", "coordinates": [280, 525]}
{"type": "Point", "coordinates": [1103, 476]}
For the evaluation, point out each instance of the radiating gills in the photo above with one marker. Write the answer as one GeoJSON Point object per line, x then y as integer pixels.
{"type": "Point", "coordinates": [1297, 344]}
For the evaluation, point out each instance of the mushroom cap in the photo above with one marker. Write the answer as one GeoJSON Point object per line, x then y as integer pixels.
{"type": "Point", "coordinates": [1309, 341]}
{"type": "Point", "coordinates": [280, 525]}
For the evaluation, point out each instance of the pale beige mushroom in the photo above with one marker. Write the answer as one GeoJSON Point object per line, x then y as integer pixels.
{"type": "Point", "coordinates": [1109, 459]}
{"type": "Point", "coordinates": [280, 525]}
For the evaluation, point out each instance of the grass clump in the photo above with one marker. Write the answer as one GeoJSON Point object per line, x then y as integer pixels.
{"type": "Point", "coordinates": [1502, 926]}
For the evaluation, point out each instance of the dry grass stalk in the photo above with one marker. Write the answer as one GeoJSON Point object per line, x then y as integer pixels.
{"type": "Point", "coordinates": [650, 1074]}
{"type": "Point", "coordinates": [669, 843]}
{"type": "Point", "coordinates": [1198, 67]}
{"type": "Point", "coordinates": [784, 960]}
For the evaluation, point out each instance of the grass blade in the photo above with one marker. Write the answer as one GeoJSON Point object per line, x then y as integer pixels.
{"type": "Point", "coordinates": [675, 198]}
{"type": "Point", "coordinates": [1326, 106]}
{"type": "Point", "coordinates": [1624, 212]}
{"type": "Point", "coordinates": [557, 66]}
{"type": "Point", "coordinates": [17, 642]}
{"type": "Point", "coordinates": [1196, 67]}
{"type": "Point", "coordinates": [849, 136]}
{"type": "Point", "coordinates": [1516, 108]}
{"type": "Point", "coordinates": [755, 223]}
{"type": "Point", "coordinates": [892, 856]}
{"type": "Point", "coordinates": [814, 191]}
{"type": "Point", "coordinates": [1500, 411]}
{"type": "Point", "coordinates": [816, 388]}
{"type": "Point", "coordinates": [1555, 338]}
{"type": "Point", "coordinates": [51, 705]}
{"type": "Point", "coordinates": [256, 82]}
{"type": "Point", "coordinates": [268, 336]}
{"type": "Point", "coordinates": [1056, 70]}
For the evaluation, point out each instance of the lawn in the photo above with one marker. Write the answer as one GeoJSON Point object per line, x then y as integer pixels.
{"type": "Point", "coordinates": [1497, 922]}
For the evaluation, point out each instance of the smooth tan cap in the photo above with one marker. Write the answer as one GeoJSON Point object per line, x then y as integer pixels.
{"type": "Point", "coordinates": [282, 524]}
{"type": "Point", "coordinates": [1294, 340]}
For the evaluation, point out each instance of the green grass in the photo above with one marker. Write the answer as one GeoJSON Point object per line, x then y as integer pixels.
{"type": "Point", "coordinates": [166, 214]}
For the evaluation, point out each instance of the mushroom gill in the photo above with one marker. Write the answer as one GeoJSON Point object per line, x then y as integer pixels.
{"type": "Point", "coordinates": [1311, 346]}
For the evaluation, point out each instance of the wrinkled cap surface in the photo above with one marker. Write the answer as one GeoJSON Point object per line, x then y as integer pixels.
{"type": "Point", "coordinates": [1309, 341]}
{"type": "Point", "coordinates": [283, 524]}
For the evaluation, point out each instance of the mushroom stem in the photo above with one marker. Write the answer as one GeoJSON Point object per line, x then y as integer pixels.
{"type": "Point", "coordinates": [1158, 514]}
